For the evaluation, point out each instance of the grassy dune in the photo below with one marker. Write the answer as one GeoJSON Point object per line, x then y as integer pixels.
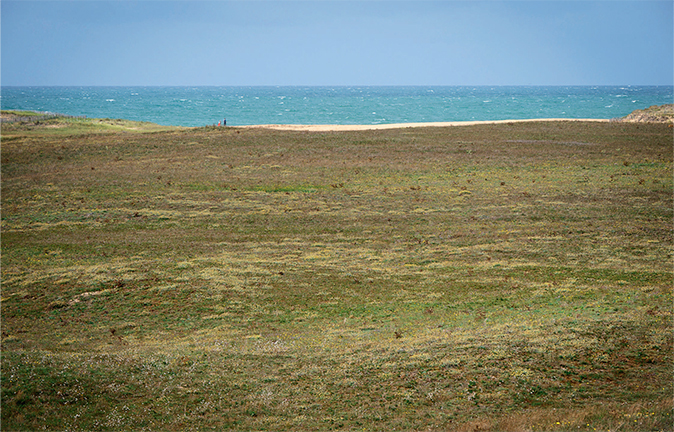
{"type": "Point", "coordinates": [29, 123]}
{"type": "Point", "coordinates": [493, 277]}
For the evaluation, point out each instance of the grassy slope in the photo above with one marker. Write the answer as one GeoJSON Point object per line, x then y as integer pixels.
{"type": "Point", "coordinates": [654, 113]}
{"type": "Point", "coordinates": [510, 277]}
{"type": "Point", "coordinates": [29, 123]}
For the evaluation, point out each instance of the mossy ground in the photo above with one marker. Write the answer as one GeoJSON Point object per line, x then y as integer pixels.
{"type": "Point", "coordinates": [493, 277]}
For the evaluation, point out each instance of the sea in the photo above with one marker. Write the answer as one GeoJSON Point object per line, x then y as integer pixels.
{"type": "Point", "coordinates": [342, 105]}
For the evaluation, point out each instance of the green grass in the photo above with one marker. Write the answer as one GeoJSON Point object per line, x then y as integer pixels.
{"type": "Point", "coordinates": [494, 277]}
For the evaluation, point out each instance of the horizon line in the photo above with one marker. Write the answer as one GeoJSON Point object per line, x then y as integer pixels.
{"type": "Point", "coordinates": [337, 85]}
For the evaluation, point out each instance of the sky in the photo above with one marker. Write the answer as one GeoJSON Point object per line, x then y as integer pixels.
{"type": "Point", "coordinates": [376, 42]}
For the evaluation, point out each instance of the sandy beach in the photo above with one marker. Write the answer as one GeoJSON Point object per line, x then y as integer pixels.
{"type": "Point", "coordinates": [335, 128]}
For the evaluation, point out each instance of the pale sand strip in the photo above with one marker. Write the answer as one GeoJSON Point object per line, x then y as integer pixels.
{"type": "Point", "coordinates": [336, 128]}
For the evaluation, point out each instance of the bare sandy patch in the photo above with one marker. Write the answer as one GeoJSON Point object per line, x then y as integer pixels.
{"type": "Point", "coordinates": [338, 128]}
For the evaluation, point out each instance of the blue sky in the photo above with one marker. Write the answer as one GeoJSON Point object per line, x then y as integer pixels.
{"type": "Point", "coordinates": [337, 42]}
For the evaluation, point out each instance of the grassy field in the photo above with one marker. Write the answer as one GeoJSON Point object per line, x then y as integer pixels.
{"type": "Point", "coordinates": [497, 277]}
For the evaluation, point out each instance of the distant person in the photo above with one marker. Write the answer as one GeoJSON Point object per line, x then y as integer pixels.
{"type": "Point", "coordinates": [224, 122]}
{"type": "Point", "coordinates": [218, 123]}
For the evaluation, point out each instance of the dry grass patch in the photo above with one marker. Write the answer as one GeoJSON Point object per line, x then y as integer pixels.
{"type": "Point", "coordinates": [496, 277]}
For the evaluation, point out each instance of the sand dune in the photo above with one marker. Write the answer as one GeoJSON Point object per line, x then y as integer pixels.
{"type": "Point", "coordinates": [333, 128]}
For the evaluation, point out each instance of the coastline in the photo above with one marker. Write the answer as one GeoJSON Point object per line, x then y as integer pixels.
{"type": "Point", "coordinates": [338, 128]}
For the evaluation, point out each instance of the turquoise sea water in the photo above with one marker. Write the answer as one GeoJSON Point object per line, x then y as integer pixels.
{"type": "Point", "coordinates": [199, 106]}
